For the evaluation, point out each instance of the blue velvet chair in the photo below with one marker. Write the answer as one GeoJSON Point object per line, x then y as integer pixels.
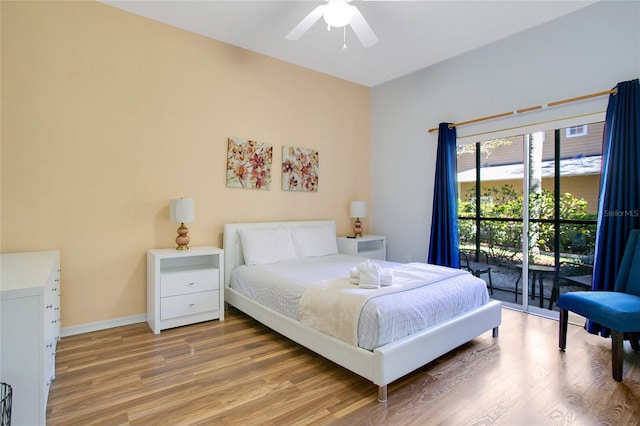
{"type": "Point", "coordinates": [618, 310]}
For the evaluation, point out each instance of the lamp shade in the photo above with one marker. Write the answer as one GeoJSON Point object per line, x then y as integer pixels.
{"type": "Point", "coordinates": [358, 209]}
{"type": "Point", "coordinates": [182, 210]}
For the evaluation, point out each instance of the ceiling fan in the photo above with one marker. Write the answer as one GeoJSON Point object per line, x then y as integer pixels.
{"type": "Point", "coordinates": [337, 14]}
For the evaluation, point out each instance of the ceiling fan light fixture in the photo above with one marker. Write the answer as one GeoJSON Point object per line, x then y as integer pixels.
{"type": "Point", "coordinates": [337, 13]}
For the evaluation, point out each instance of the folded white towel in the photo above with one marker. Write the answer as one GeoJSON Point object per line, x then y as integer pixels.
{"type": "Point", "coordinates": [353, 272]}
{"type": "Point", "coordinates": [369, 274]}
{"type": "Point", "coordinates": [368, 286]}
{"type": "Point", "coordinates": [386, 277]}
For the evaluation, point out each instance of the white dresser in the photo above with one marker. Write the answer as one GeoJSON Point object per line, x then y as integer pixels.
{"type": "Point", "coordinates": [184, 286]}
{"type": "Point", "coordinates": [30, 316]}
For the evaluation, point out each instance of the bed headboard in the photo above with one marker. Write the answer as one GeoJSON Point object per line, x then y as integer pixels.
{"type": "Point", "coordinates": [233, 247]}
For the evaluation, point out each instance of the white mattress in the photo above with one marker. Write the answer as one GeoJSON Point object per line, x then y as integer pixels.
{"type": "Point", "coordinates": [383, 319]}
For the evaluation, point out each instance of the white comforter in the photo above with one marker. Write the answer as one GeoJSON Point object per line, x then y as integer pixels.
{"type": "Point", "coordinates": [334, 306]}
{"type": "Point", "coordinates": [384, 319]}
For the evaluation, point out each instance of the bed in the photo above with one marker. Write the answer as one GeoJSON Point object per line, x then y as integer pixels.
{"type": "Point", "coordinates": [380, 361]}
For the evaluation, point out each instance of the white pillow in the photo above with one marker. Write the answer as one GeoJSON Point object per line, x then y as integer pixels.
{"type": "Point", "coordinates": [263, 246]}
{"type": "Point", "coordinates": [314, 241]}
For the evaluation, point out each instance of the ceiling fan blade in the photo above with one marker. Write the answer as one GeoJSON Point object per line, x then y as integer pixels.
{"type": "Point", "coordinates": [306, 23]}
{"type": "Point", "coordinates": [362, 29]}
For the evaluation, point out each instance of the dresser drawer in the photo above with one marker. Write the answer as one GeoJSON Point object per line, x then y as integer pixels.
{"type": "Point", "coordinates": [189, 304]}
{"type": "Point", "coordinates": [184, 282]}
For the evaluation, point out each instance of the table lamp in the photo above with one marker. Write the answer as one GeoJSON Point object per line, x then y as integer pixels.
{"type": "Point", "coordinates": [182, 210]}
{"type": "Point", "coordinates": [358, 209]}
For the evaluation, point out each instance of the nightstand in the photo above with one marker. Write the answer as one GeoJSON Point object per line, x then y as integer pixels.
{"type": "Point", "coordinates": [184, 286]}
{"type": "Point", "coordinates": [371, 246]}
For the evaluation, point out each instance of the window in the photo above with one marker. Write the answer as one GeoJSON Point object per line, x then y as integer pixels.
{"type": "Point", "coordinates": [574, 131]}
{"type": "Point", "coordinates": [538, 191]}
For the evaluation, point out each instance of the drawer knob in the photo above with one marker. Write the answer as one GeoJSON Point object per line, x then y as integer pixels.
{"type": "Point", "coordinates": [191, 305]}
{"type": "Point", "coordinates": [192, 283]}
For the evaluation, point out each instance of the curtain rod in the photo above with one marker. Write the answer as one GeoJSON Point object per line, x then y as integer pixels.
{"type": "Point", "coordinates": [532, 124]}
{"type": "Point", "coordinates": [533, 108]}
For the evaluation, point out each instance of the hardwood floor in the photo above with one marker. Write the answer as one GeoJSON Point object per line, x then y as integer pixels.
{"type": "Point", "coordinates": [240, 372]}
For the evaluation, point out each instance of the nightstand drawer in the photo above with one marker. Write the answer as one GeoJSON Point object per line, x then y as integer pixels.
{"type": "Point", "coordinates": [189, 304]}
{"type": "Point", "coordinates": [184, 282]}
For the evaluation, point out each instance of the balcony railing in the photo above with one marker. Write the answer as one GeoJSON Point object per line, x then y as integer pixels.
{"type": "Point", "coordinates": [558, 261]}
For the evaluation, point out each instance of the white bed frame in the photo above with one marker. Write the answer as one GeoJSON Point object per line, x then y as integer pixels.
{"type": "Point", "coordinates": [383, 365]}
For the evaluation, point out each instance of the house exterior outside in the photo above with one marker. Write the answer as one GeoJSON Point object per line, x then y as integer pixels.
{"type": "Point", "coordinates": [580, 164]}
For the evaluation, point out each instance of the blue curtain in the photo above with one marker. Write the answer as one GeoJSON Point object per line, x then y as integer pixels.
{"type": "Point", "coordinates": [619, 203]}
{"type": "Point", "coordinates": [443, 246]}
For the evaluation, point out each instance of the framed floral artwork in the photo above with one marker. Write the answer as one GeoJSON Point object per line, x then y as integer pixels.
{"type": "Point", "coordinates": [249, 164]}
{"type": "Point", "coordinates": [299, 169]}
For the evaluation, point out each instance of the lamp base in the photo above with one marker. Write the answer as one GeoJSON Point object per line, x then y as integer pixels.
{"type": "Point", "coordinates": [357, 228]}
{"type": "Point", "coordinates": [182, 240]}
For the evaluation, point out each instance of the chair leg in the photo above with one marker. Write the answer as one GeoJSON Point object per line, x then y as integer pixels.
{"type": "Point", "coordinates": [555, 293]}
{"type": "Point", "coordinates": [633, 339]}
{"type": "Point", "coordinates": [617, 339]}
{"type": "Point", "coordinates": [541, 283]}
{"type": "Point", "coordinates": [562, 334]}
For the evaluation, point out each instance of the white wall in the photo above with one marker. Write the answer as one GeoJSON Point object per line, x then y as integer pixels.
{"type": "Point", "coordinates": [588, 51]}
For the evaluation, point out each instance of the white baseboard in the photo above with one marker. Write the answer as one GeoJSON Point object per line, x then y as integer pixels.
{"type": "Point", "coordinates": [102, 325]}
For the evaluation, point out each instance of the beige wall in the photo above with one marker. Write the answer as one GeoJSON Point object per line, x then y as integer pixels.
{"type": "Point", "coordinates": [107, 115]}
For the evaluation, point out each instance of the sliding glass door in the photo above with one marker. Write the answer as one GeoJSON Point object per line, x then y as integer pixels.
{"type": "Point", "coordinates": [527, 207]}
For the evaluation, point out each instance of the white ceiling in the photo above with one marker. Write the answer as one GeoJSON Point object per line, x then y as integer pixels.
{"type": "Point", "coordinates": [412, 34]}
